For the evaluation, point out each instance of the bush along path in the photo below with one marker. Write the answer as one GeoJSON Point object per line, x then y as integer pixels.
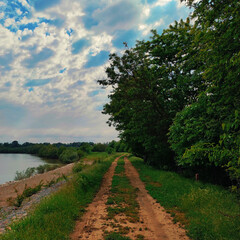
{"type": "Point", "coordinates": [123, 210]}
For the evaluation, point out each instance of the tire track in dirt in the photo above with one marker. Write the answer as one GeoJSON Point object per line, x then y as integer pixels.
{"type": "Point", "coordinates": [91, 226]}
{"type": "Point", "coordinates": [153, 215]}
{"type": "Point", "coordinates": [154, 223]}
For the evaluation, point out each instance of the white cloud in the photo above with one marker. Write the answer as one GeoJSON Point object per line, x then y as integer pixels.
{"type": "Point", "coordinates": [146, 28]}
{"type": "Point", "coordinates": [9, 22]}
{"type": "Point", "coordinates": [2, 15]}
{"type": "Point", "coordinates": [162, 2]}
{"type": "Point", "coordinates": [62, 110]}
{"type": "Point", "coordinates": [118, 15]}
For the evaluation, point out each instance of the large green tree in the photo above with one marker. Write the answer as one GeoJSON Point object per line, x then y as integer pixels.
{"type": "Point", "coordinates": [206, 133]}
{"type": "Point", "coordinates": [150, 84]}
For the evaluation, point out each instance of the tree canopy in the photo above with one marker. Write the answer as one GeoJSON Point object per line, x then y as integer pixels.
{"type": "Point", "coordinates": [175, 99]}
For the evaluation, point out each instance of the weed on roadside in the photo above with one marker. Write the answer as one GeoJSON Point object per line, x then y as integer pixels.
{"type": "Point", "coordinates": [115, 236]}
{"type": "Point", "coordinates": [28, 192]}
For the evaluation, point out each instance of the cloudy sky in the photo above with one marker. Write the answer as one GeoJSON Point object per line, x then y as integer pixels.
{"type": "Point", "coordinates": [51, 54]}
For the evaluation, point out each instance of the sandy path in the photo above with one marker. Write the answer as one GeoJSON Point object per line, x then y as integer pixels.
{"type": "Point", "coordinates": [9, 190]}
{"type": "Point", "coordinates": [153, 214]}
{"type": "Point", "coordinates": [154, 223]}
{"type": "Point", "coordinates": [91, 225]}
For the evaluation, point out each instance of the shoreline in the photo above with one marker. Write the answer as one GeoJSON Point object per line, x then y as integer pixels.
{"type": "Point", "coordinates": [11, 189]}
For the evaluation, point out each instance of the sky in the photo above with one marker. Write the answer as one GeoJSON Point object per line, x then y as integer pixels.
{"type": "Point", "coordinates": [52, 52]}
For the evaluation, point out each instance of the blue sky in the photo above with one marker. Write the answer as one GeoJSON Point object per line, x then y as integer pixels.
{"type": "Point", "coordinates": [52, 52]}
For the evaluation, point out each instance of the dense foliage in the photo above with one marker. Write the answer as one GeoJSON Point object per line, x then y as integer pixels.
{"type": "Point", "coordinates": [65, 153]}
{"type": "Point", "coordinates": [175, 99]}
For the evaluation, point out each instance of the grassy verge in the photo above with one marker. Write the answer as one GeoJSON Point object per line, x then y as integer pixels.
{"type": "Point", "coordinates": [122, 200]}
{"type": "Point", "coordinates": [54, 218]}
{"type": "Point", "coordinates": [208, 212]}
{"type": "Point", "coordinates": [95, 156]}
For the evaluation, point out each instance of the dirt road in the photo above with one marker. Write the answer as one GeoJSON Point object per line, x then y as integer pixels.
{"type": "Point", "coordinates": [8, 191]}
{"type": "Point", "coordinates": [154, 223]}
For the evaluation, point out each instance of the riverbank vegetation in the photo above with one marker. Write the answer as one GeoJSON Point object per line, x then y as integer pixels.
{"type": "Point", "coordinates": [55, 217]}
{"type": "Point", "coordinates": [63, 153]}
{"type": "Point", "coordinates": [175, 98]}
{"type": "Point", "coordinates": [207, 211]}
{"type": "Point", "coordinates": [29, 172]}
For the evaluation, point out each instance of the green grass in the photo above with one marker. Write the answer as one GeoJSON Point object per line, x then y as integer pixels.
{"type": "Point", "coordinates": [96, 156]}
{"type": "Point", "coordinates": [209, 212]}
{"type": "Point", "coordinates": [54, 218]}
{"type": "Point", "coordinates": [123, 196]}
{"type": "Point", "coordinates": [116, 236]}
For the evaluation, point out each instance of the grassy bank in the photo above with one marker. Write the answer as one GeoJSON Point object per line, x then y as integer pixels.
{"type": "Point", "coordinates": [95, 156]}
{"type": "Point", "coordinates": [208, 212]}
{"type": "Point", "coordinates": [54, 217]}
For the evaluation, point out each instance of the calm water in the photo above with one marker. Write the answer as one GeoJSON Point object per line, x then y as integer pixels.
{"type": "Point", "coordinates": [10, 163]}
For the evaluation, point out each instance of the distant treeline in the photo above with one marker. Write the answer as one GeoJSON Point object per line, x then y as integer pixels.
{"type": "Point", "coordinates": [65, 153]}
{"type": "Point", "coordinates": [175, 98]}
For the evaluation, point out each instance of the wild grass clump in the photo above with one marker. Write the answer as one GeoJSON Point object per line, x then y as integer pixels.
{"type": "Point", "coordinates": [24, 174]}
{"type": "Point", "coordinates": [28, 192]}
{"type": "Point", "coordinates": [209, 212]}
{"type": "Point", "coordinates": [46, 168]}
{"type": "Point", "coordinates": [115, 236]}
{"type": "Point", "coordinates": [29, 172]}
{"type": "Point", "coordinates": [54, 218]}
{"type": "Point", "coordinates": [78, 167]}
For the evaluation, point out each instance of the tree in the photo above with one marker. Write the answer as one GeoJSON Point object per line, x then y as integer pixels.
{"type": "Point", "coordinates": [15, 144]}
{"type": "Point", "coordinates": [86, 147]}
{"type": "Point", "coordinates": [69, 155]}
{"type": "Point", "coordinates": [99, 147]}
{"type": "Point", "coordinates": [48, 151]}
{"type": "Point", "coordinates": [151, 83]}
{"type": "Point", "coordinates": [199, 135]}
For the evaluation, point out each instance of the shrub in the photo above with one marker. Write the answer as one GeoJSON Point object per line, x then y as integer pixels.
{"type": "Point", "coordinates": [77, 167]}
{"type": "Point", "coordinates": [110, 150]}
{"type": "Point", "coordinates": [81, 153]}
{"type": "Point", "coordinates": [41, 168]}
{"type": "Point", "coordinates": [46, 168]}
{"type": "Point", "coordinates": [48, 151]}
{"type": "Point", "coordinates": [24, 174]}
{"type": "Point", "coordinates": [69, 156]}
{"type": "Point", "coordinates": [28, 192]}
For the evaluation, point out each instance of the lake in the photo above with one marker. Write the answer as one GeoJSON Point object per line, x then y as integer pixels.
{"type": "Point", "coordinates": [10, 163]}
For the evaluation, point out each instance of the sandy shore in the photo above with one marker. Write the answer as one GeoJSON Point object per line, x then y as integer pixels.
{"type": "Point", "coordinates": [10, 190]}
